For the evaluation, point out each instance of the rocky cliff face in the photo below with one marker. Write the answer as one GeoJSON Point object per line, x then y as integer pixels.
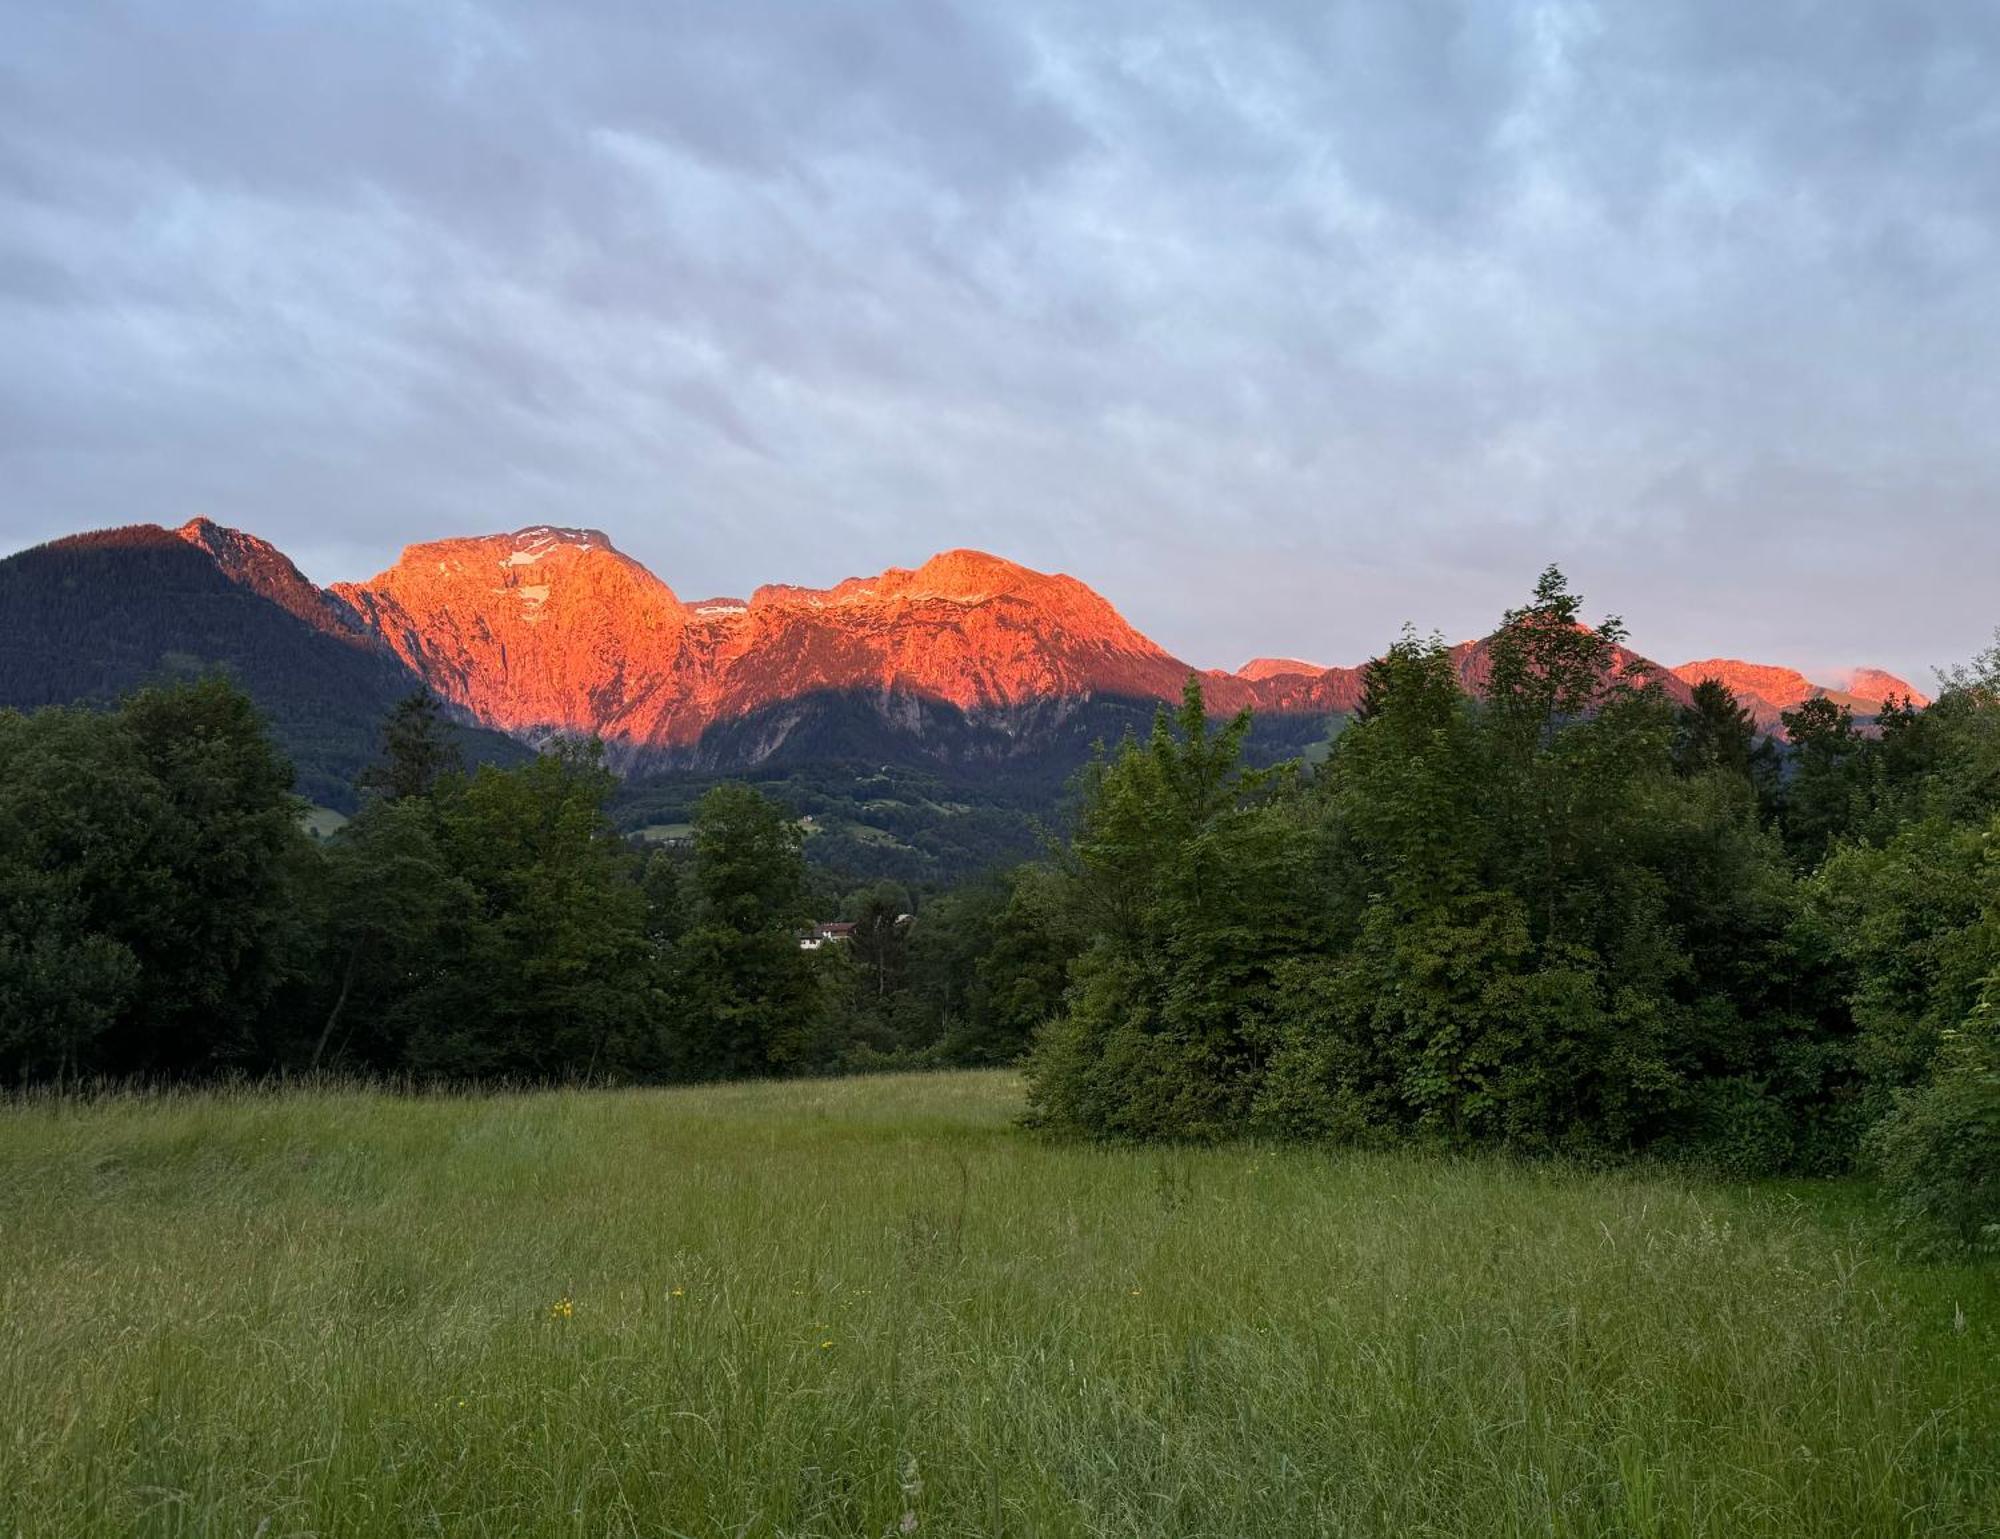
{"type": "Point", "coordinates": [546, 630]}
{"type": "Point", "coordinates": [1873, 688]}
{"type": "Point", "coordinates": [1259, 669]}
{"type": "Point", "coordinates": [553, 630]}
{"type": "Point", "coordinates": [1767, 692]}
{"type": "Point", "coordinates": [968, 629]}
{"type": "Point", "coordinates": [268, 572]}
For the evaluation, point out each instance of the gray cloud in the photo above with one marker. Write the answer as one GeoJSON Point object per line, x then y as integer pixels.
{"type": "Point", "coordinates": [1278, 323]}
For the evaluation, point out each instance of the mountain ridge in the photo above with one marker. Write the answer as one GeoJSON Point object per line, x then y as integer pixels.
{"type": "Point", "coordinates": [1769, 690]}
{"type": "Point", "coordinates": [552, 630]}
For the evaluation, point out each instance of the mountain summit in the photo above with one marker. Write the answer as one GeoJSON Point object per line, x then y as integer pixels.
{"type": "Point", "coordinates": [1767, 692]}
{"type": "Point", "coordinates": [552, 630]}
{"type": "Point", "coordinates": [541, 631]}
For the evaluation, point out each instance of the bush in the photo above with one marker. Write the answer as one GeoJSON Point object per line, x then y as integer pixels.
{"type": "Point", "coordinates": [1939, 1150]}
{"type": "Point", "coordinates": [1741, 1130]}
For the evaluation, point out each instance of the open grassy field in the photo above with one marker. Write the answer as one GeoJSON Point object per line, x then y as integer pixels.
{"type": "Point", "coordinates": [871, 1307]}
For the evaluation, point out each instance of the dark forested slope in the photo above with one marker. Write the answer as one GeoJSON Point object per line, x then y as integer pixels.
{"type": "Point", "coordinates": [89, 618]}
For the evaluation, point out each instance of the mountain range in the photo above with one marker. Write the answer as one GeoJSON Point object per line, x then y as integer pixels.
{"type": "Point", "coordinates": [968, 660]}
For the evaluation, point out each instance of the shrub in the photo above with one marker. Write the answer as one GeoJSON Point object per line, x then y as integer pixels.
{"type": "Point", "coordinates": [1939, 1150]}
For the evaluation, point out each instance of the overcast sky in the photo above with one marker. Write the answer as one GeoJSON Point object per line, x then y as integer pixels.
{"type": "Point", "coordinates": [1278, 323]}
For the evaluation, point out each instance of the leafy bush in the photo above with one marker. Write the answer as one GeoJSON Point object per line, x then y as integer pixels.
{"type": "Point", "coordinates": [1939, 1150]}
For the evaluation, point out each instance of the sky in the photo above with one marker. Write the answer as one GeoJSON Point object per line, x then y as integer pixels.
{"type": "Point", "coordinates": [1279, 324]}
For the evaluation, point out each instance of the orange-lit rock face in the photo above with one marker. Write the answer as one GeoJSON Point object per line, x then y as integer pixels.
{"type": "Point", "coordinates": [545, 629]}
{"type": "Point", "coordinates": [1258, 669]}
{"type": "Point", "coordinates": [1754, 684]}
{"type": "Point", "coordinates": [965, 628]}
{"type": "Point", "coordinates": [553, 629]}
{"type": "Point", "coordinates": [1875, 686]}
{"type": "Point", "coordinates": [1767, 692]}
{"type": "Point", "coordinates": [1317, 693]}
{"type": "Point", "coordinates": [264, 569]}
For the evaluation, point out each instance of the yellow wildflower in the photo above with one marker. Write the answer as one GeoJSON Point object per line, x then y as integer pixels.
{"type": "Point", "coordinates": [562, 1308]}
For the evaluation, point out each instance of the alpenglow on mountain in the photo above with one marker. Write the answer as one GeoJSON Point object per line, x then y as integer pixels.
{"type": "Point", "coordinates": [967, 658]}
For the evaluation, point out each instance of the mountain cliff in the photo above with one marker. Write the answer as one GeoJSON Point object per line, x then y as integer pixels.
{"type": "Point", "coordinates": [544, 631]}
{"type": "Point", "coordinates": [966, 660]}
{"type": "Point", "coordinates": [554, 630]}
{"type": "Point", "coordinates": [266, 571]}
{"type": "Point", "coordinates": [1767, 692]}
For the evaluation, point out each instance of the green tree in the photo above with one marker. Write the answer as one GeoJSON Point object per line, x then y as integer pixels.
{"type": "Point", "coordinates": [1511, 920]}
{"type": "Point", "coordinates": [1939, 1146]}
{"type": "Point", "coordinates": [664, 880]}
{"type": "Point", "coordinates": [418, 750]}
{"type": "Point", "coordinates": [1545, 666]}
{"type": "Point", "coordinates": [1189, 873]}
{"type": "Point", "coordinates": [1020, 971]}
{"type": "Point", "coordinates": [150, 864]}
{"type": "Point", "coordinates": [1390, 1028]}
{"type": "Point", "coordinates": [79, 819]}
{"type": "Point", "coordinates": [1714, 732]}
{"type": "Point", "coordinates": [749, 867]}
{"type": "Point", "coordinates": [880, 943]}
{"type": "Point", "coordinates": [395, 916]}
{"type": "Point", "coordinates": [1823, 797]}
{"type": "Point", "coordinates": [238, 857]}
{"type": "Point", "coordinates": [746, 999]}
{"type": "Point", "coordinates": [1907, 910]}
{"type": "Point", "coordinates": [551, 977]}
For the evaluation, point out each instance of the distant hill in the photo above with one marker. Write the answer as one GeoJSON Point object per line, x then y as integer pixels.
{"type": "Point", "coordinates": [90, 618]}
{"type": "Point", "coordinates": [936, 802]}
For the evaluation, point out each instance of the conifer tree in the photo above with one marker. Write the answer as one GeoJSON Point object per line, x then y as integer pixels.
{"type": "Point", "coordinates": [418, 750]}
{"type": "Point", "coordinates": [744, 996]}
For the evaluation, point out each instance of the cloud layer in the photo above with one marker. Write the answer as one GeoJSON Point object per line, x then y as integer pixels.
{"type": "Point", "coordinates": [1280, 324]}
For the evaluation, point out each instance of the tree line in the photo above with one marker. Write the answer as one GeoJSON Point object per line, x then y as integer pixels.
{"type": "Point", "coordinates": [1565, 916]}
{"type": "Point", "coordinates": [163, 914]}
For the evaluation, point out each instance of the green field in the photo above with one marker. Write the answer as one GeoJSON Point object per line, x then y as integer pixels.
{"type": "Point", "coordinates": [872, 1307]}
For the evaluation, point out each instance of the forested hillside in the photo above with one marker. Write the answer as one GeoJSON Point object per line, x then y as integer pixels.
{"type": "Point", "coordinates": [90, 618]}
{"type": "Point", "coordinates": [877, 805]}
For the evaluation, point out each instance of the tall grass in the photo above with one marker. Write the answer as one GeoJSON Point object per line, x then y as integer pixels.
{"type": "Point", "coordinates": [871, 1307]}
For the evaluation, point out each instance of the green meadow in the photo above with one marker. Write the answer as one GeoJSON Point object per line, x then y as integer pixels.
{"type": "Point", "coordinates": [876, 1307]}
